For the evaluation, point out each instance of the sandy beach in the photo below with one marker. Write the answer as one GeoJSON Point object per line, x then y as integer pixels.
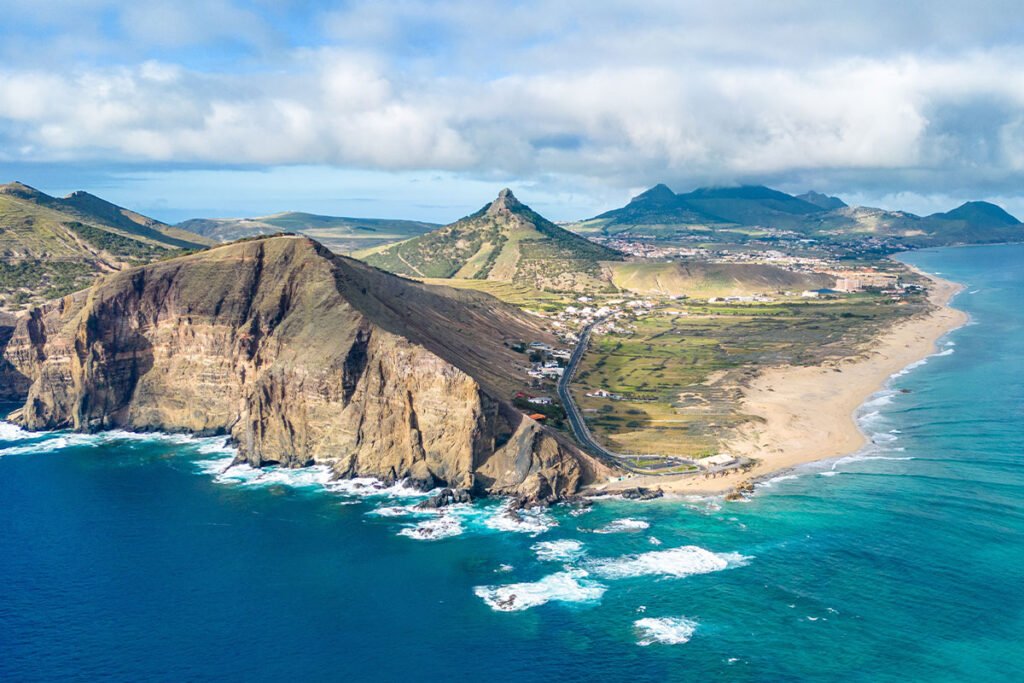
{"type": "Point", "coordinates": [807, 413]}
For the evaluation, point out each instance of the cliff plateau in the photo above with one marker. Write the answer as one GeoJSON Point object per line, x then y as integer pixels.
{"type": "Point", "coordinates": [302, 357]}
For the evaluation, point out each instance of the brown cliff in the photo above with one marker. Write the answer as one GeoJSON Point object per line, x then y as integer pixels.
{"type": "Point", "coordinates": [301, 356]}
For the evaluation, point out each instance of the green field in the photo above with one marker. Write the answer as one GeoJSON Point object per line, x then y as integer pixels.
{"type": "Point", "coordinates": [680, 376]}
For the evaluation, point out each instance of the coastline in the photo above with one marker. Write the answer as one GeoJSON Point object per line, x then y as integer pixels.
{"type": "Point", "coordinates": [808, 413]}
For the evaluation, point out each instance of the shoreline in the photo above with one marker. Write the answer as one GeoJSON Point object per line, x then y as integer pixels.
{"type": "Point", "coordinates": [805, 414]}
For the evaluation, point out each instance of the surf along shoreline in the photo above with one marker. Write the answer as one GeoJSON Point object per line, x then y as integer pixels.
{"type": "Point", "coordinates": [805, 414]}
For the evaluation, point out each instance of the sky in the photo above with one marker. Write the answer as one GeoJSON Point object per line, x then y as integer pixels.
{"type": "Point", "coordinates": [424, 110]}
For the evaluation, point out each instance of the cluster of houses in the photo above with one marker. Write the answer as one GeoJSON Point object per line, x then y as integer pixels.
{"type": "Point", "coordinates": [551, 363]}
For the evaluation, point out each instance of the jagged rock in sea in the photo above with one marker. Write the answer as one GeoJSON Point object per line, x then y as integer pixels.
{"type": "Point", "coordinates": [302, 357]}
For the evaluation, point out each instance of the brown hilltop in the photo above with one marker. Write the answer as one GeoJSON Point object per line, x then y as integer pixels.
{"type": "Point", "coordinates": [301, 356]}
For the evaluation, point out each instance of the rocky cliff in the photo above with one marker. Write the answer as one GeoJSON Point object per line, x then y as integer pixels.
{"type": "Point", "coordinates": [302, 357]}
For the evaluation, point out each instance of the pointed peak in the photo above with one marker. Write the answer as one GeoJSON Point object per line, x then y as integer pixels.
{"type": "Point", "coordinates": [20, 189]}
{"type": "Point", "coordinates": [659, 193]}
{"type": "Point", "coordinates": [504, 204]}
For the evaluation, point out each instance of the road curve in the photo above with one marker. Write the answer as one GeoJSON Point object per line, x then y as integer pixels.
{"type": "Point", "coordinates": [579, 426]}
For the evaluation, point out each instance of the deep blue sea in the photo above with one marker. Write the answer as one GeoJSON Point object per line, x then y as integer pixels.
{"type": "Point", "coordinates": [130, 558]}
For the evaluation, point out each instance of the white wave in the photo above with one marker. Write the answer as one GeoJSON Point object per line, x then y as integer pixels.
{"type": "Point", "coordinates": [675, 563]}
{"type": "Point", "coordinates": [882, 398]}
{"type": "Point", "coordinates": [653, 540]}
{"type": "Point", "coordinates": [369, 486]}
{"type": "Point", "coordinates": [534, 521]}
{"type": "Point", "coordinates": [558, 551]}
{"type": "Point", "coordinates": [945, 352]}
{"type": "Point", "coordinates": [664, 630]}
{"type": "Point", "coordinates": [579, 512]}
{"type": "Point", "coordinates": [442, 526]}
{"type": "Point", "coordinates": [768, 483]}
{"type": "Point", "coordinates": [569, 586]}
{"type": "Point", "coordinates": [619, 526]}
{"type": "Point", "coordinates": [51, 445]}
{"type": "Point", "coordinates": [243, 474]}
{"type": "Point", "coordinates": [829, 473]}
{"type": "Point", "coordinates": [504, 569]}
{"type": "Point", "coordinates": [884, 437]}
{"type": "Point", "coordinates": [12, 432]}
{"type": "Point", "coordinates": [392, 511]}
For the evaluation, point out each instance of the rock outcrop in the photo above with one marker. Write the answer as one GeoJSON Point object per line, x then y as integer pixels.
{"type": "Point", "coordinates": [302, 357]}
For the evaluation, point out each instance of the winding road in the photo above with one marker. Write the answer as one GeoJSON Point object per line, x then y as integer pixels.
{"type": "Point", "coordinates": [586, 438]}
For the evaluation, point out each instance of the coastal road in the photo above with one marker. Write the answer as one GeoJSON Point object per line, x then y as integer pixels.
{"type": "Point", "coordinates": [582, 432]}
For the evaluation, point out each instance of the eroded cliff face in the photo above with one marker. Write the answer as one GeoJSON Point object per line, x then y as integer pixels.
{"type": "Point", "coordinates": [302, 357]}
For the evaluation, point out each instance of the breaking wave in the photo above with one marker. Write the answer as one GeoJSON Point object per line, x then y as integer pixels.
{"type": "Point", "coordinates": [664, 630]}
{"type": "Point", "coordinates": [674, 563]}
{"type": "Point", "coordinates": [534, 521]}
{"type": "Point", "coordinates": [571, 586]}
{"type": "Point", "coordinates": [619, 526]}
{"type": "Point", "coordinates": [558, 551]}
{"type": "Point", "coordinates": [442, 526]}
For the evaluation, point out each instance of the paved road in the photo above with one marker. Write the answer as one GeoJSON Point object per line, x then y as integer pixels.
{"type": "Point", "coordinates": [579, 425]}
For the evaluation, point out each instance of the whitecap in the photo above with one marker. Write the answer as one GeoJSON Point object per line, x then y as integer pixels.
{"type": "Point", "coordinates": [558, 551]}
{"type": "Point", "coordinates": [12, 432]}
{"type": "Point", "coordinates": [768, 483]}
{"type": "Point", "coordinates": [568, 586]}
{"type": "Point", "coordinates": [51, 445]}
{"type": "Point", "coordinates": [674, 563]}
{"type": "Point", "coordinates": [534, 521]}
{"type": "Point", "coordinates": [828, 473]}
{"type": "Point", "coordinates": [442, 526]}
{"type": "Point", "coordinates": [370, 486]}
{"type": "Point", "coordinates": [653, 540]}
{"type": "Point", "coordinates": [626, 524]}
{"type": "Point", "coordinates": [664, 630]}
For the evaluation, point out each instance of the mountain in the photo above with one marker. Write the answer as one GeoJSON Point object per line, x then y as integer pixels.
{"type": "Point", "coordinates": [507, 241]}
{"type": "Point", "coordinates": [978, 214]}
{"type": "Point", "coordinates": [339, 234]}
{"type": "Point", "coordinates": [729, 214]}
{"type": "Point", "coordinates": [822, 201]}
{"type": "Point", "coordinates": [50, 246]}
{"type": "Point", "coordinates": [301, 356]}
{"type": "Point", "coordinates": [708, 207]}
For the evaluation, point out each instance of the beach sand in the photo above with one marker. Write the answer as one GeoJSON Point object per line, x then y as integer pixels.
{"type": "Point", "coordinates": [808, 412]}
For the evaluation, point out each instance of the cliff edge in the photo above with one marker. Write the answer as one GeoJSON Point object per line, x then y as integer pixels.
{"type": "Point", "coordinates": [302, 357]}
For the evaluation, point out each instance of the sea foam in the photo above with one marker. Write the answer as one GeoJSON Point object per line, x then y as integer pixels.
{"type": "Point", "coordinates": [558, 551]}
{"type": "Point", "coordinates": [673, 563]}
{"type": "Point", "coordinates": [442, 526]}
{"type": "Point", "coordinates": [619, 526]}
{"type": "Point", "coordinates": [664, 630]}
{"type": "Point", "coordinates": [572, 585]}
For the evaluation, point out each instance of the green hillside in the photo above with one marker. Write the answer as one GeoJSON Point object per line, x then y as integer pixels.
{"type": "Point", "coordinates": [503, 241]}
{"type": "Point", "coordinates": [50, 246]}
{"type": "Point", "coordinates": [339, 234]}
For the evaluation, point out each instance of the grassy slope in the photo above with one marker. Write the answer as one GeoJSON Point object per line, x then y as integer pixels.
{"type": "Point", "coordinates": [51, 246]}
{"type": "Point", "coordinates": [710, 279]}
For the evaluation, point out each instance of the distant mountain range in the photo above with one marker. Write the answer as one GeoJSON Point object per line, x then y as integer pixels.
{"type": "Point", "coordinates": [50, 246]}
{"type": "Point", "coordinates": [339, 234]}
{"type": "Point", "coordinates": [722, 210]}
{"type": "Point", "coordinates": [506, 241]}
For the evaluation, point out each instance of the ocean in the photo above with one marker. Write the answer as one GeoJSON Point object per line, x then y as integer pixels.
{"type": "Point", "coordinates": [140, 557]}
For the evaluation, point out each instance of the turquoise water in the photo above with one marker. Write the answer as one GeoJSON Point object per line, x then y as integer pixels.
{"type": "Point", "coordinates": [139, 558]}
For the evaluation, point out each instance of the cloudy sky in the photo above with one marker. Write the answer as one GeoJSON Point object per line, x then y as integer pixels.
{"type": "Point", "coordinates": [418, 109]}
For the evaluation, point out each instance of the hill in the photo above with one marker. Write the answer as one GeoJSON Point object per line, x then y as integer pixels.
{"type": "Point", "coordinates": [505, 241]}
{"type": "Point", "coordinates": [735, 214]}
{"type": "Point", "coordinates": [339, 234]}
{"type": "Point", "coordinates": [822, 201]}
{"type": "Point", "coordinates": [50, 246]}
{"type": "Point", "coordinates": [303, 357]}
{"type": "Point", "coordinates": [704, 279]}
